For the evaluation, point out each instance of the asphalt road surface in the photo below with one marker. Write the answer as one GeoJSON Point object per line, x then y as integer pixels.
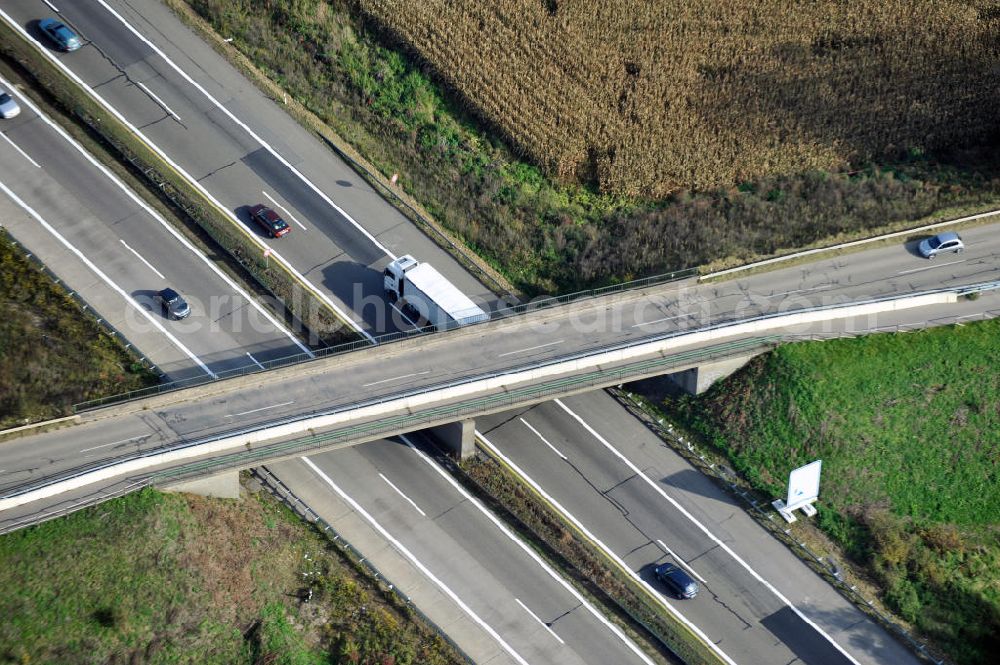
{"type": "Point", "coordinates": [107, 244]}
{"type": "Point", "coordinates": [241, 147]}
{"type": "Point", "coordinates": [444, 543]}
{"type": "Point", "coordinates": [758, 602]}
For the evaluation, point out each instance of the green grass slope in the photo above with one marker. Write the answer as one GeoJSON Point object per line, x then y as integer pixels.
{"type": "Point", "coordinates": [165, 578]}
{"type": "Point", "coordinates": [908, 428]}
{"type": "Point", "coordinates": [52, 354]}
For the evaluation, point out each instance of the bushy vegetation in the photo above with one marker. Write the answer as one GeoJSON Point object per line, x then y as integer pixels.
{"type": "Point", "coordinates": [163, 578]}
{"type": "Point", "coordinates": [52, 354]}
{"type": "Point", "coordinates": [908, 428]}
{"type": "Point", "coordinates": [821, 92]}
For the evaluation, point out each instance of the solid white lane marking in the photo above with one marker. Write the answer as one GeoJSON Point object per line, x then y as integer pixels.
{"type": "Point", "coordinates": [931, 267]}
{"type": "Point", "coordinates": [607, 550]}
{"type": "Point", "coordinates": [197, 185]}
{"type": "Point", "coordinates": [531, 348]}
{"type": "Point", "coordinates": [249, 131]}
{"type": "Point", "coordinates": [254, 360]}
{"type": "Point", "coordinates": [535, 617]}
{"type": "Point", "coordinates": [115, 443]}
{"type": "Point", "coordinates": [400, 493]}
{"type": "Point", "coordinates": [18, 148]}
{"type": "Point", "coordinates": [395, 378]}
{"type": "Point", "coordinates": [403, 314]}
{"type": "Point", "coordinates": [287, 214]}
{"type": "Point", "coordinates": [51, 6]}
{"type": "Point", "coordinates": [158, 100]}
{"type": "Point", "coordinates": [263, 408]}
{"type": "Point", "coordinates": [669, 318]}
{"type": "Point", "coordinates": [148, 264]}
{"type": "Point", "coordinates": [142, 204]}
{"type": "Point", "coordinates": [416, 562]}
{"type": "Point", "coordinates": [681, 561]}
{"type": "Point", "coordinates": [107, 280]}
{"type": "Point", "coordinates": [544, 440]}
{"type": "Point", "coordinates": [473, 501]}
{"type": "Point", "coordinates": [659, 490]}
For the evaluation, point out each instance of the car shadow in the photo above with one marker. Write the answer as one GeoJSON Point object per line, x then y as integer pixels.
{"type": "Point", "coordinates": [912, 244]}
{"type": "Point", "coordinates": [243, 214]}
{"type": "Point", "coordinates": [147, 300]}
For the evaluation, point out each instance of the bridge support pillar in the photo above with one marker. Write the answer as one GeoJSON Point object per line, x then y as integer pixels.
{"type": "Point", "coordinates": [697, 380]}
{"type": "Point", "coordinates": [459, 437]}
{"type": "Point", "coordinates": [225, 485]}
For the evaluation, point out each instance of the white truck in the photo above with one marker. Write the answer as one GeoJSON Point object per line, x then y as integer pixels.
{"type": "Point", "coordinates": [424, 295]}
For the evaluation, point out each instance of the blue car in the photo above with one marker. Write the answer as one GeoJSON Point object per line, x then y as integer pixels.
{"type": "Point", "coordinates": [64, 38]}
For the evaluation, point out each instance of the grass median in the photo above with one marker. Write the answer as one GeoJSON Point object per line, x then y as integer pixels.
{"type": "Point", "coordinates": [307, 312]}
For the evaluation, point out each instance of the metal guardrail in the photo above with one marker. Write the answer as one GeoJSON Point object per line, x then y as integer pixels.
{"type": "Point", "coordinates": [397, 423]}
{"type": "Point", "coordinates": [760, 510]}
{"type": "Point", "coordinates": [103, 323]}
{"type": "Point", "coordinates": [295, 359]}
{"type": "Point", "coordinates": [282, 492]}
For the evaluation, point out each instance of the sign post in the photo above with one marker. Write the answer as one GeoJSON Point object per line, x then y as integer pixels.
{"type": "Point", "coordinates": [803, 490]}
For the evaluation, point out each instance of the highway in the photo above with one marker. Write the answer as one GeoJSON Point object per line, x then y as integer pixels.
{"type": "Point", "coordinates": [390, 499]}
{"type": "Point", "coordinates": [758, 602]}
{"type": "Point", "coordinates": [242, 149]}
{"type": "Point", "coordinates": [236, 164]}
{"type": "Point", "coordinates": [97, 235]}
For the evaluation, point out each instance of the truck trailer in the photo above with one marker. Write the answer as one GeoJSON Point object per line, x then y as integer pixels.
{"type": "Point", "coordinates": [423, 294]}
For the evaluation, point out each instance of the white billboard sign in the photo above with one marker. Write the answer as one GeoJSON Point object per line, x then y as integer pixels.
{"type": "Point", "coordinates": [803, 485]}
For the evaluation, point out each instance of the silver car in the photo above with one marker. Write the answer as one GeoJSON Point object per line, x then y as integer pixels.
{"type": "Point", "coordinates": [939, 244]}
{"type": "Point", "coordinates": [8, 107]}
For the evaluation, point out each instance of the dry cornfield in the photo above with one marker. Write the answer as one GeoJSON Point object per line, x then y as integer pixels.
{"type": "Point", "coordinates": [643, 97]}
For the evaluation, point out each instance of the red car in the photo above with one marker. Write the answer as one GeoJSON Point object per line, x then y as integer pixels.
{"type": "Point", "coordinates": [270, 221]}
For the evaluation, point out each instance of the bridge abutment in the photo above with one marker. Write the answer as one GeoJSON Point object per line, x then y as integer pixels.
{"type": "Point", "coordinates": [458, 437]}
{"type": "Point", "coordinates": [225, 485]}
{"type": "Point", "coordinates": [698, 379]}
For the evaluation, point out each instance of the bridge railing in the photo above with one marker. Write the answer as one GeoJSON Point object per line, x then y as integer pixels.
{"type": "Point", "coordinates": [347, 347]}
{"type": "Point", "coordinates": [403, 422]}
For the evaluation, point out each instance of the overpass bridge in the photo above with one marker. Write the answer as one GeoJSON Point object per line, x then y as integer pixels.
{"type": "Point", "coordinates": [440, 381]}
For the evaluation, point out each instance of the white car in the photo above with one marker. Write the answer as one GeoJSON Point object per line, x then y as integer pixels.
{"type": "Point", "coordinates": [8, 107]}
{"type": "Point", "coordinates": [941, 243]}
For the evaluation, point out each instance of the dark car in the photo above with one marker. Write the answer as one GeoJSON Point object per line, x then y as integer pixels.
{"type": "Point", "coordinates": [270, 221]}
{"type": "Point", "coordinates": [174, 303]}
{"type": "Point", "coordinates": [941, 243]}
{"type": "Point", "coordinates": [64, 38]}
{"type": "Point", "coordinates": [677, 581]}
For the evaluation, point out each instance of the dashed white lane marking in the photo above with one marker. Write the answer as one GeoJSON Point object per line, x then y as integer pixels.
{"type": "Point", "coordinates": [416, 562]}
{"type": "Point", "coordinates": [51, 6]}
{"type": "Point", "coordinates": [531, 348]}
{"type": "Point", "coordinates": [18, 148]}
{"type": "Point", "coordinates": [669, 318]}
{"type": "Point", "coordinates": [932, 267]}
{"type": "Point", "coordinates": [287, 214]}
{"type": "Point", "coordinates": [543, 624]}
{"type": "Point", "coordinates": [659, 490]}
{"type": "Point", "coordinates": [107, 280]}
{"type": "Point", "coordinates": [194, 183]}
{"type": "Point", "coordinates": [544, 440]}
{"type": "Point", "coordinates": [142, 204]}
{"type": "Point", "coordinates": [263, 408]}
{"type": "Point", "coordinates": [624, 566]}
{"type": "Point", "coordinates": [114, 443]}
{"type": "Point", "coordinates": [681, 561]}
{"type": "Point", "coordinates": [148, 264]}
{"type": "Point", "coordinates": [473, 501]}
{"type": "Point", "coordinates": [400, 493]}
{"type": "Point", "coordinates": [395, 378]}
{"type": "Point", "coordinates": [158, 100]}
